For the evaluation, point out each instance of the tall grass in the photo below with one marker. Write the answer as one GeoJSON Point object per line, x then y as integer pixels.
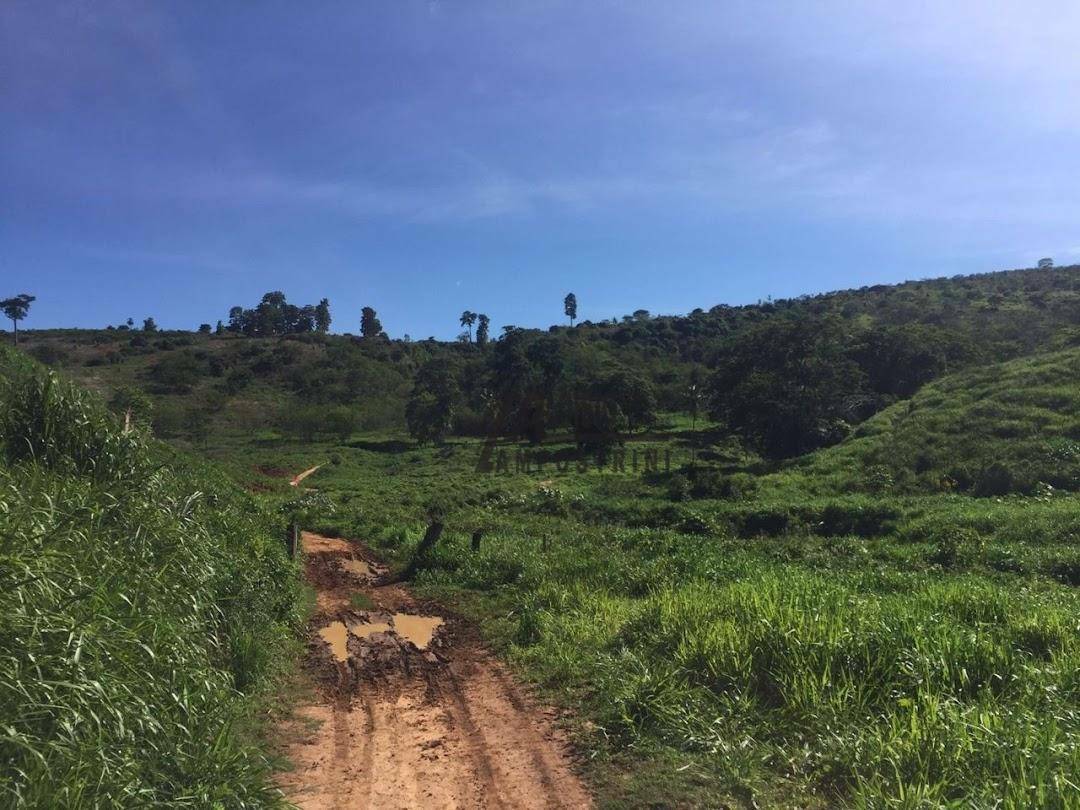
{"type": "Point", "coordinates": [137, 605]}
{"type": "Point", "coordinates": [892, 690]}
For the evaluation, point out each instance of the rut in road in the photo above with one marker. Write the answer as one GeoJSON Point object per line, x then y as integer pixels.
{"type": "Point", "coordinates": [410, 711]}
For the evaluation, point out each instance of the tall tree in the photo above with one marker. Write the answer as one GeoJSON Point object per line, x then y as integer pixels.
{"type": "Point", "coordinates": [236, 319]}
{"type": "Point", "coordinates": [16, 309]}
{"type": "Point", "coordinates": [322, 316]}
{"type": "Point", "coordinates": [369, 323]}
{"type": "Point", "coordinates": [467, 320]}
{"type": "Point", "coordinates": [430, 410]}
{"type": "Point", "coordinates": [482, 330]}
{"type": "Point", "coordinates": [570, 307]}
{"type": "Point", "coordinates": [148, 325]}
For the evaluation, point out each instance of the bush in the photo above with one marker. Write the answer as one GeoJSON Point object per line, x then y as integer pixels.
{"type": "Point", "coordinates": [765, 520]}
{"type": "Point", "coordinates": [996, 479]}
{"type": "Point", "coordinates": [1066, 569]}
{"type": "Point", "coordinates": [697, 523]}
{"type": "Point", "coordinates": [863, 519]}
{"type": "Point", "coordinates": [678, 488]}
{"type": "Point", "coordinates": [957, 545]}
{"type": "Point", "coordinates": [48, 354]}
{"type": "Point", "coordinates": [340, 422]}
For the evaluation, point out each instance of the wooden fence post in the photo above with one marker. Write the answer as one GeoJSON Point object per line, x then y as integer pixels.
{"type": "Point", "coordinates": [292, 537]}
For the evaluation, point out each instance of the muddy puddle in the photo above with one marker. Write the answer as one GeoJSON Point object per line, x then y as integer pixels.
{"type": "Point", "coordinates": [337, 636]}
{"type": "Point", "coordinates": [359, 568]}
{"type": "Point", "coordinates": [419, 630]}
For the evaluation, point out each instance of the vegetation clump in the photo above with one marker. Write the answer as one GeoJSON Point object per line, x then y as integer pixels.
{"type": "Point", "coordinates": [143, 599]}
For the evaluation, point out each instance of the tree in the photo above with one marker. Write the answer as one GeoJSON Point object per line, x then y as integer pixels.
{"type": "Point", "coordinates": [322, 316]}
{"type": "Point", "coordinates": [16, 309]}
{"type": "Point", "coordinates": [340, 422]}
{"type": "Point", "coordinates": [1046, 264]}
{"type": "Point", "coordinates": [204, 329]}
{"type": "Point", "coordinates": [148, 325]}
{"type": "Point", "coordinates": [236, 319]}
{"type": "Point", "coordinates": [304, 421]}
{"type": "Point", "coordinates": [197, 423]}
{"type": "Point", "coordinates": [631, 393]}
{"type": "Point", "coordinates": [789, 385]}
{"type": "Point", "coordinates": [482, 330]}
{"type": "Point", "coordinates": [570, 307]}
{"type": "Point", "coordinates": [219, 329]}
{"type": "Point", "coordinates": [130, 401]}
{"type": "Point", "coordinates": [430, 410]}
{"type": "Point", "coordinates": [467, 320]}
{"type": "Point", "coordinates": [370, 326]}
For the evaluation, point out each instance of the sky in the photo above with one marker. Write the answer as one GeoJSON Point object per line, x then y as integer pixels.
{"type": "Point", "coordinates": [175, 158]}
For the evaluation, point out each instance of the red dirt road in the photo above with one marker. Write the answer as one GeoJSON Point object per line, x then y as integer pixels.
{"type": "Point", "coordinates": [394, 726]}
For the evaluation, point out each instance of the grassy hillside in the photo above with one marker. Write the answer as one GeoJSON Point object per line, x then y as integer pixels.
{"type": "Point", "coordinates": [785, 376]}
{"type": "Point", "coordinates": [817, 636]}
{"type": "Point", "coordinates": [995, 430]}
{"type": "Point", "coordinates": [142, 598]}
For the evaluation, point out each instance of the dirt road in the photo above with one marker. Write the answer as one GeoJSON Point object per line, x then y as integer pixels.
{"type": "Point", "coordinates": [411, 710]}
{"type": "Point", "coordinates": [295, 482]}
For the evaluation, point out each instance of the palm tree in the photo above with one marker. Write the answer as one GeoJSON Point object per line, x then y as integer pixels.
{"type": "Point", "coordinates": [467, 320]}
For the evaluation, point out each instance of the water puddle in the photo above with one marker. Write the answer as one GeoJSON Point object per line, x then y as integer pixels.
{"type": "Point", "coordinates": [417, 629]}
{"type": "Point", "coordinates": [420, 630]}
{"type": "Point", "coordinates": [358, 568]}
{"type": "Point", "coordinates": [336, 635]}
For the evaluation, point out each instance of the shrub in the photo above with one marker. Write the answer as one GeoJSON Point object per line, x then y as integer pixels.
{"type": "Point", "coordinates": [764, 520]}
{"type": "Point", "coordinates": [1066, 569]}
{"type": "Point", "coordinates": [697, 523]}
{"type": "Point", "coordinates": [861, 518]}
{"type": "Point", "coordinates": [678, 488]}
{"type": "Point", "coordinates": [996, 479]}
{"type": "Point", "coordinates": [48, 354]}
{"type": "Point", "coordinates": [956, 545]}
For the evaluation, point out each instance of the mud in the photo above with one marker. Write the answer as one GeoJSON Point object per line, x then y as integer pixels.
{"type": "Point", "coordinates": [411, 711]}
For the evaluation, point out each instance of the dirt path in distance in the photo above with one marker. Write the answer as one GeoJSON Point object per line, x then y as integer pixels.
{"type": "Point", "coordinates": [411, 711]}
{"type": "Point", "coordinates": [295, 482]}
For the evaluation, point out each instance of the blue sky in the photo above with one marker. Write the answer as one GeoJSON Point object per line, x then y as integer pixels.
{"type": "Point", "coordinates": [175, 158]}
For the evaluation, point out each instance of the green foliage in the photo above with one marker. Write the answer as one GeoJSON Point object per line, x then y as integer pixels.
{"type": "Point", "coordinates": [570, 307]}
{"type": "Point", "coordinates": [370, 326]}
{"type": "Point", "coordinates": [129, 399]}
{"type": "Point", "coordinates": [140, 595]}
{"type": "Point", "coordinates": [989, 432]}
{"type": "Point", "coordinates": [16, 309]}
{"type": "Point", "coordinates": [430, 410]}
{"type": "Point", "coordinates": [274, 315]}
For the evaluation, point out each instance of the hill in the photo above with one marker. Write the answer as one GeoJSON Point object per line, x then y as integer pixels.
{"type": "Point", "coordinates": [786, 376]}
{"type": "Point", "coordinates": [993, 430]}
